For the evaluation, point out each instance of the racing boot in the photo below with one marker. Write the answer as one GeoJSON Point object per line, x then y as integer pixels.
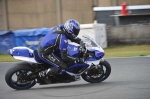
{"type": "Point", "coordinates": [43, 78]}
{"type": "Point", "coordinates": [53, 71]}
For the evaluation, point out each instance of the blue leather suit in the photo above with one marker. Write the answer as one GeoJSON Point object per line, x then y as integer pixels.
{"type": "Point", "coordinates": [56, 41]}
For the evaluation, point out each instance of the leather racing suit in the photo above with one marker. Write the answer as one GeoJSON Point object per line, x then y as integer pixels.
{"type": "Point", "coordinates": [56, 41]}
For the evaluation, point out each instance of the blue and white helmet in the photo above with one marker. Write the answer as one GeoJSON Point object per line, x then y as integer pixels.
{"type": "Point", "coordinates": [72, 27]}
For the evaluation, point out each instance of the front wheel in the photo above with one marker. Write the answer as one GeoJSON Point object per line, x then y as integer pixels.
{"type": "Point", "coordinates": [15, 76]}
{"type": "Point", "coordinates": [97, 73]}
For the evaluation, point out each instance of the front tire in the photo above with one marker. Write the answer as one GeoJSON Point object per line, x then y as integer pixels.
{"type": "Point", "coordinates": [17, 72]}
{"type": "Point", "coordinates": [103, 74]}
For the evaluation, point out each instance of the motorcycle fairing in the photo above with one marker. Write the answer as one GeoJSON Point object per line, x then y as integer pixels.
{"type": "Point", "coordinates": [77, 68]}
{"type": "Point", "coordinates": [22, 53]}
{"type": "Point", "coordinates": [73, 50]}
{"type": "Point", "coordinates": [97, 55]}
{"type": "Point", "coordinates": [26, 54]}
{"type": "Point", "coordinates": [76, 74]}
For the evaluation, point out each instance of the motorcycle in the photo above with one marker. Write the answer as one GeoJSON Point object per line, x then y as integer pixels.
{"type": "Point", "coordinates": [31, 69]}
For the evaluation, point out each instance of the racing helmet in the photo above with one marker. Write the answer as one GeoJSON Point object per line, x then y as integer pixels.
{"type": "Point", "coordinates": [72, 28]}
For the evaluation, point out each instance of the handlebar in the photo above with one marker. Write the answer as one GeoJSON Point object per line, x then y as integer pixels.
{"type": "Point", "coordinates": [85, 52]}
{"type": "Point", "coordinates": [82, 47]}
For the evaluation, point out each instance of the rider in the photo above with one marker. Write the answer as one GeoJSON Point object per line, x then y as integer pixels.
{"type": "Point", "coordinates": [56, 41]}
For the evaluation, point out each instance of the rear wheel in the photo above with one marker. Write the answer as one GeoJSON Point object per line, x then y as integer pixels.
{"type": "Point", "coordinates": [97, 73]}
{"type": "Point", "coordinates": [15, 76]}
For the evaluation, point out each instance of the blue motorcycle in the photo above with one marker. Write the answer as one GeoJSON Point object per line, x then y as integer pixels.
{"type": "Point", "coordinates": [30, 70]}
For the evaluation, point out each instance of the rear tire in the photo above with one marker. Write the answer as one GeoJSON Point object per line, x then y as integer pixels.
{"type": "Point", "coordinates": [105, 75]}
{"type": "Point", "coordinates": [19, 67]}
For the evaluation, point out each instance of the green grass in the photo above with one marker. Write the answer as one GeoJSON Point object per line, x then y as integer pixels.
{"type": "Point", "coordinates": [115, 51]}
{"type": "Point", "coordinates": [127, 51]}
{"type": "Point", "coordinates": [7, 58]}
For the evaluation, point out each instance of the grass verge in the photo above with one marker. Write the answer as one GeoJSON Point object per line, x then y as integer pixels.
{"type": "Point", "coordinates": [115, 51]}
{"type": "Point", "coordinates": [127, 51]}
{"type": "Point", "coordinates": [7, 58]}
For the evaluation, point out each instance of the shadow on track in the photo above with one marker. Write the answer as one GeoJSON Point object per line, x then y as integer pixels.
{"type": "Point", "coordinates": [72, 85]}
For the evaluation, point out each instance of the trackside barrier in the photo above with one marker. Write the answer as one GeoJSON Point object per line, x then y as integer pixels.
{"type": "Point", "coordinates": [30, 37]}
{"type": "Point", "coordinates": [7, 41]}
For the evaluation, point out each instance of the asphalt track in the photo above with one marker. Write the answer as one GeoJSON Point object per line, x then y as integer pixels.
{"type": "Point", "coordinates": [130, 79]}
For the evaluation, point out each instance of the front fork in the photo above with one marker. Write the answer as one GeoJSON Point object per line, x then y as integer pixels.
{"type": "Point", "coordinates": [101, 60]}
{"type": "Point", "coordinates": [95, 63]}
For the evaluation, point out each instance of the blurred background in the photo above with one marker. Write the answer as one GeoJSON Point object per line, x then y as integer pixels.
{"type": "Point", "coordinates": [109, 22]}
{"type": "Point", "coordinates": [22, 14]}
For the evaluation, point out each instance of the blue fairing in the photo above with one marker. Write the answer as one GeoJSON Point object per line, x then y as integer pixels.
{"type": "Point", "coordinates": [98, 55]}
{"type": "Point", "coordinates": [91, 59]}
{"type": "Point", "coordinates": [73, 50]}
{"type": "Point", "coordinates": [22, 52]}
{"type": "Point", "coordinates": [75, 66]}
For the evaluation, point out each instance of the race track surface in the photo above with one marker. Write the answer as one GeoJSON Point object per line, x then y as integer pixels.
{"type": "Point", "coordinates": [129, 79]}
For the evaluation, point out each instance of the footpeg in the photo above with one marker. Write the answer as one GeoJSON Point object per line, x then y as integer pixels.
{"type": "Point", "coordinates": [77, 77]}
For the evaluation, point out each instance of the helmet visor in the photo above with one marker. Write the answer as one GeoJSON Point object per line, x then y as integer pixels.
{"type": "Point", "coordinates": [76, 32]}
